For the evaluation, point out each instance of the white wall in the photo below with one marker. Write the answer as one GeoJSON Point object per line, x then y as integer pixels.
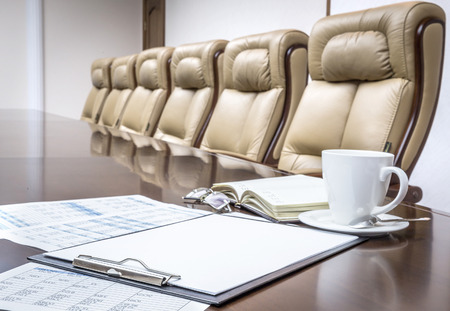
{"type": "Point", "coordinates": [13, 56]}
{"type": "Point", "coordinates": [77, 32]}
{"type": "Point", "coordinates": [189, 21]}
{"type": "Point", "coordinates": [432, 171]}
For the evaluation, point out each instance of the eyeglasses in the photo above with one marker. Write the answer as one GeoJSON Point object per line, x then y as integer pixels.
{"type": "Point", "coordinates": [206, 196]}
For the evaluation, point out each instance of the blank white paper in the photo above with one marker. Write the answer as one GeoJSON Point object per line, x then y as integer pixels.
{"type": "Point", "coordinates": [214, 253]}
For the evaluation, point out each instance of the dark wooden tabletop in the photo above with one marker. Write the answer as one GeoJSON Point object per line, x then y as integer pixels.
{"type": "Point", "coordinates": [44, 157]}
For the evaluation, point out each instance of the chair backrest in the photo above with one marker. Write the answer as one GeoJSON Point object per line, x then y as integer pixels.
{"type": "Point", "coordinates": [101, 86]}
{"type": "Point", "coordinates": [195, 86]}
{"type": "Point", "coordinates": [264, 78]}
{"type": "Point", "coordinates": [123, 83]}
{"type": "Point", "coordinates": [145, 105]}
{"type": "Point", "coordinates": [375, 84]}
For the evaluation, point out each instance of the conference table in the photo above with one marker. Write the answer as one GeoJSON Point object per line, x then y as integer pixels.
{"type": "Point", "coordinates": [45, 157]}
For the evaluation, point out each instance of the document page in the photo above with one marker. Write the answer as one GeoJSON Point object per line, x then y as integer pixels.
{"type": "Point", "coordinates": [59, 224]}
{"type": "Point", "coordinates": [214, 253]}
{"type": "Point", "coordinates": [42, 288]}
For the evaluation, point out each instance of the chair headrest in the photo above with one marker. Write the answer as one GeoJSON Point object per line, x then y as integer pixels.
{"type": "Point", "coordinates": [151, 68]}
{"type": "Point", "coordinates": [251, 71]}
{"type": "Point", "coordinates": [123, 72]}
{"type": "Point", "coordinates": [100, 72]}
{"type": "Point", "coordinates": [147, 74]}
{"type": "Point", "coordinates": [360, 55]}
{"type": "Point", "coordinates": [371, 44]}
{"type": "Point", "coordinates": [192, 64]}
{"type": "Point", "coordinates": [256, 62]}
{"type": "Point", "coordinates": [189, 73]}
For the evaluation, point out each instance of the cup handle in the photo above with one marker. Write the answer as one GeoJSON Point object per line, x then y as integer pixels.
{"type": "Point", "coordinates": [384, 173]}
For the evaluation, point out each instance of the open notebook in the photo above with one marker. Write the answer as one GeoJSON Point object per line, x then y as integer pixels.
{"type": "Point", "coordinates": [282, 198]}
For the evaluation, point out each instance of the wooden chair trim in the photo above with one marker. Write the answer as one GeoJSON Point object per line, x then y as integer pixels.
{"type": "Point", "coordinates": [269, 157]}
{"type": "Point", "coordinates": [418, 94]}
{"type": "Point", "coordinates": [198, 141]}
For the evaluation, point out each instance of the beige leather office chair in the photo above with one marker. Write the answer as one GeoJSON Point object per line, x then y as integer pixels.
{"type": "Point", "coordinates": [195, 87]}
{"type": "Point", "coordinates": [101, 86]}
{"type": "Point", "coordinates": [145, 105]}
{"type": "Point", "coordinates": [123, 83]}
{"type": "Point", "coordinates": [264, 78]}
{"type": "Point", "coordinates": [375, 84]}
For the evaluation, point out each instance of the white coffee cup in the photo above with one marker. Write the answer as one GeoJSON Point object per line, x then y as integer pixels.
{"type": "Point", "coordinates": [357, 183]}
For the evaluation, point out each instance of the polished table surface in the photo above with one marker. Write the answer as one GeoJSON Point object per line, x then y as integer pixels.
{"type": "Point", "coordinates": [44, 157]}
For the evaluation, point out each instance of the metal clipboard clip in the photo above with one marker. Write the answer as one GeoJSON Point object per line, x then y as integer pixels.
{"type": "Point", "coordinates": [120, 270]}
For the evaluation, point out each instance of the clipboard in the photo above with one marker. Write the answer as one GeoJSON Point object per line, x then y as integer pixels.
{"type": "Point", "coordinates": [168, 287]}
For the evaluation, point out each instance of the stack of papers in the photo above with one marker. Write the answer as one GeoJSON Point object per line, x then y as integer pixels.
{"type": "Point", "coordinates": [59, 224]}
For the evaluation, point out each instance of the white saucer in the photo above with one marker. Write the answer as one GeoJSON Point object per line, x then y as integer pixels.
{"type": "Point", "coordinates": [322, 219]}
